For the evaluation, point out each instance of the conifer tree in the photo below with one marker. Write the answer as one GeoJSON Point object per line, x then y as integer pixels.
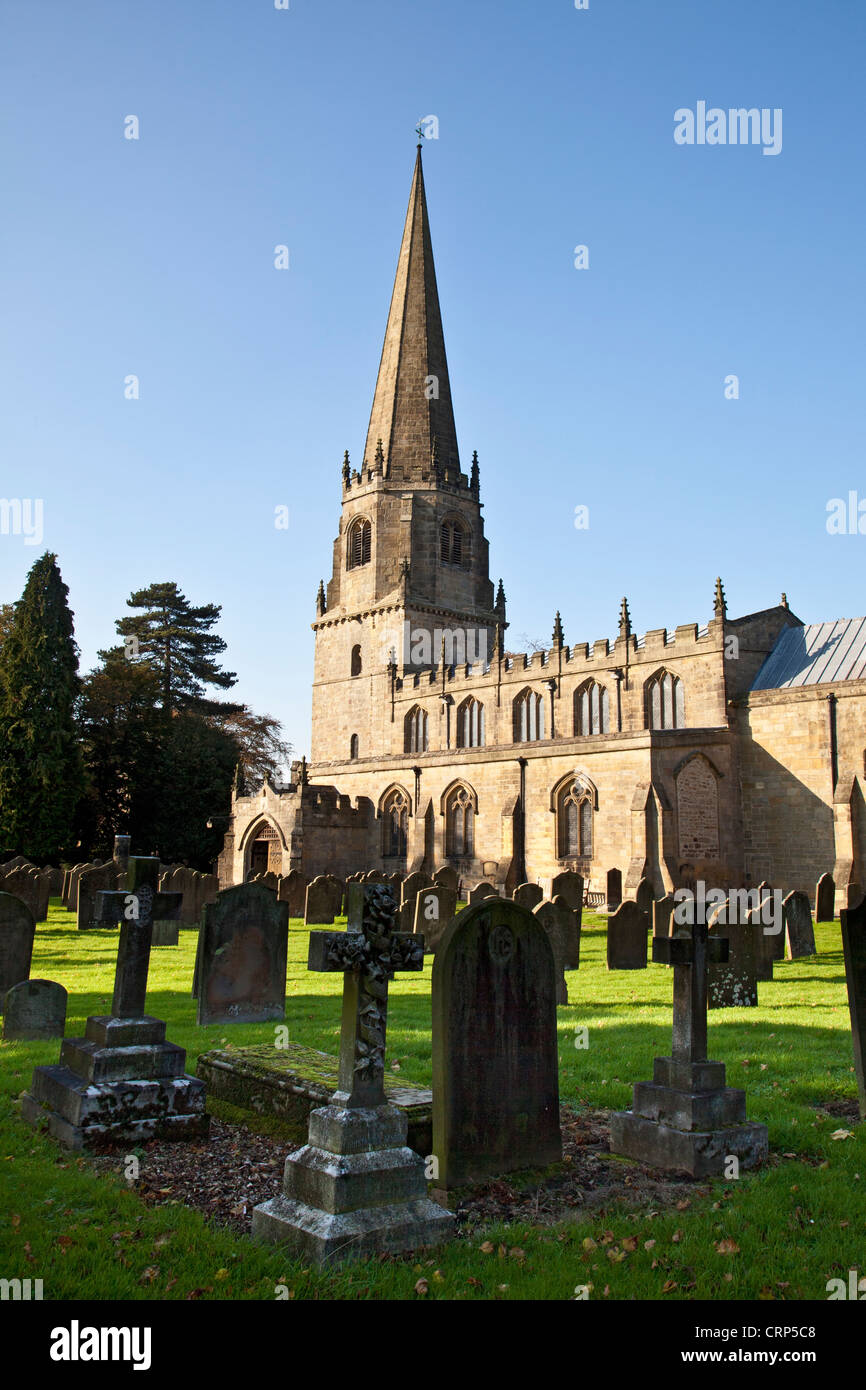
{"type": "Point", "coordinates": [177, 640]}
{"type": "Point", "coordinates": [41, 776]}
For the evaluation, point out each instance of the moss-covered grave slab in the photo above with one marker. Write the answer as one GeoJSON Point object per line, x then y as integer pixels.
{"type": "Point", "coordinates": [288, 1082]}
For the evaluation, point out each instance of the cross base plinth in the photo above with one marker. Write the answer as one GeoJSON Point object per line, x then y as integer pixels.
{"type": "Point", "coordinates": [354, 1190]}
{"type": "Point", "coordinates": [121, 1082]}
{"type": "Point", "coordinates": [688, 1120]}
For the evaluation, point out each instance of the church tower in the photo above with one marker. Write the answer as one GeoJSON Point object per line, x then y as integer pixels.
{"type": "Point", "coordinates": [410, 563]}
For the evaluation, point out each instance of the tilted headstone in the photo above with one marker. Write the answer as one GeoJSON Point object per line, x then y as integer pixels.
{"type": "Point", "coordinates": [627, 938]}
{"type": "Point", "coordinates": [242, 957]}
{"type": "Point", "coordinates": [569, 885]}
{"type": "Point", "coordinates": [480, 892]}
{"type": "Point", "coordinates": [495, 1061]}
{"type": "Point", "coordinates": [733, 983]}
{"type": "Point", "coordinates": [853, 920]}
{"type": "Point", "coordinates": [528, 895]}
{"type": "Point", "coordinates": [293, 890]}
{"type": "Point", "coordinates": [614, 889]}
{"type": "Point", "coordinates": [686, 1119]}
{"type": "Point", "coordinates": [434, 913]}
{"type": "Point", "coordinates": [825, 899]}
{"type": "Point", "coordinates": [122, 1081]}
{"type": "Point", "coordinates": [356, 1189]}
{"type": "Point", "coordinates": [663, 915]}
{"type": "Point", "coordinates": [34, 1009]}
{"type": "Point", "coordinates": [17, 930]}
{"type": "Point", "coordinates": [447, 877]}
{"type": "Point", "coordinates": [799, 931]}
{"type": "Point", "coordinates": [551, 918]}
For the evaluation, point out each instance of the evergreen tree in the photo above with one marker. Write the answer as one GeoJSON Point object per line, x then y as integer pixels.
{"type": "Point", "coordinates": [177, 640]}
{"type": "Point", "coordinates": [41, 776]}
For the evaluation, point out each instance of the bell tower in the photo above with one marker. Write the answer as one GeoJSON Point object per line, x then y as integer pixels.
{"type": "Point", "coordinates": [410, 561]}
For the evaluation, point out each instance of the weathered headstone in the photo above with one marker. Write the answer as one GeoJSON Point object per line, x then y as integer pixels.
{"type": "Point", "coordinates": [122, 1081]}
{"type": "Point", "coordinates": [627, 938]}
{"type": "Point", "coordinates": [614, 889]}
{"type": "Point", "coordinates": [686, 1119]}
{"type": "Point", "coordinates": [434, 913]}
{"type": "Point", "coordinates": [799, 932]}
{"type": "Point", "coordinates": [480, 892]}
{"type": "Point", "coordinates": [569, 885]}
{"type": "Point", "coordinates": [121, 852]}
{"type": "Point", "coordinates": [242, 957]}
{"type": "Point", "coordinates": [644, 899]}
{"type": "Point", "coordinates": [447, 877]}
{"type": "Point", "coordinates": [570, 923]}
{"type": "Point", "coordinates": [765, 953]}
{"type": "Point", "coordinates": [17, 930]}
{"type": "Point", "coordinates": [495, 1062]}
{"type": "Point", "coordinates": [293, 890]}
{"type": "Point", "coordinates": [663, 915]}
{"type": "Point", "coordinates": [356, 1188]}
{"type": "Point", "coordinates": [551, 918]}
{"type": "Point", "coordinates": [101, 878]}
{"type": "Point", "coordinates": [55, 882]}
{"type": "Point", "coordinates": [853, 920]}
{"type": "Point", "coordinates": [733, 983]}
{"type": "Point", "coordinates": [25, 882]}
{"type": "Point", "coordinates": [34, 1009]}
{"type": "Point", "coordinates": [319, 904]}
{"type": "Point", "coordinates": [528, 895]}
{"type": "Point", "coordinates": [825, 899]}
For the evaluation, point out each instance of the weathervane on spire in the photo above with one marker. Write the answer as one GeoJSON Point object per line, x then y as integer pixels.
{"type": "Point", "coordinates": [419, 131]}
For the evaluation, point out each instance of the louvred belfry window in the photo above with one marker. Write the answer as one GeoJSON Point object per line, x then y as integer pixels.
{"type": "Point", "coordinates": [360, 538]}
{"type": "Point", "coordinates": [453, 544]}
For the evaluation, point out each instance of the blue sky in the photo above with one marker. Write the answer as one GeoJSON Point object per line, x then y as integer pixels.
{"type": "Point", "coordinates": [601, 387]}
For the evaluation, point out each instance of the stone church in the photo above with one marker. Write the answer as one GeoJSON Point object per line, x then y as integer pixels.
{"type": "Point", "coordinates": [730, 751]}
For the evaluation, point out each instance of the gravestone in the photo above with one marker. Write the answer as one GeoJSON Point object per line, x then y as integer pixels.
{"type": "Point", "coordinates": [319, 904]}
{"type": "Point", "coordinates": [91, 881]}
{"type": "Point", "coordinates": [614, 889]}
{"type": "Point", "coordinates": [551, 917]}
{"type": "Point", "coordinates": [446, 877]}
{"type": "Point", "coordinates": [733, 983]}
{"type": "Point", "coordinates": [17, 930]}
{"type": "Point", "coordinates": [825, 899]}
{"type": "Point", "coordinates": [293, 890]}
{"type": "Point", "coordinates": [412, 885]}
{"type": "Point", "coordinates": [375, 876]}
{"type": "Point", "coordinates": [24, 882]}
{"type": "Point", "coordinates": [686, 1119]}
{"type": "Point", "coordinates": [627, 938]}
{"type": "Point", "coordinates": [122, 1081]}
{"type": "Point", "coordinates": [570, 921]}
{"type": "Point", "coordinates": [495, 1062]}
{"type": "Point", "coordinates": [528, 895]}
{"type": "Point", "coordinates": [663, 915]}
{"type": "Point", "coordinates": [242, 957]}
{"type": "Point", "coordinates": [853, 920]}
{"type": "Point", "coordinates": [121, 852]}
{"type": "Point", "coordinates": [55, 882]}
{"type": "Point", "coordinates": [569, 886]}
{"type": "Point", "coordinates": [356, 1188]}
{"type": "Point", "coordinates": [799, 932]}
{"type": "Point", "coordinates": [644, 899]}
{"type": "Point", "coordinates": [434, 913]}
{"type": "Point", "coordinates": [764, 951]}
{"type": "Point", "coordinates": [337, 889]}
{"type": "Point", "coordinates": [481, 891]}
{"type": "Point", "coordinates": [34, 1009]}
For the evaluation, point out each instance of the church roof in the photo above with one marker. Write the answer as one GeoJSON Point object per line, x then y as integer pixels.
{"type": "Point", "coordinates": [816, 654]}
{"type": "Point", "coordinates": [412, 403]}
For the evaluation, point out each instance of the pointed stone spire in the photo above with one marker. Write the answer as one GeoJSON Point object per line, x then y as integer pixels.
{"type": "Point", "coordinates": [321, 604]}
{"type": "Point", "coordinates": [474, 477]}
{"type": "Point", "coordinates": [558, 636]}
{"type": "Point", "coordinates": [624, 619]}
{"type": "Point", "coordinates": [412, 401]}
{"type": "Point", "coordinates": [500, 600]}
{"type": "Point", "coordinates": [720, 603]}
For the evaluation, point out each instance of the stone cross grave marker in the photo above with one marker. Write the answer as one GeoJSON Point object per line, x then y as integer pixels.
{"type": "Point", "coordinates": [122, 1081]}
{"type": "Point", "coordinates": [686, 1118]}
{"type": "Point", "coordinates": [853, 921]}
{"type": "Point", "coordinates": [355, 1188]}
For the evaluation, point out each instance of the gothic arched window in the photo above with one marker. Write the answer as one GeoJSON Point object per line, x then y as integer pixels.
{"type": "Point", "coordinates": [574, 822]}
{"type": "Point", "coordinates": [665, 702]}
{"type": "Point", "coordinates": [528, 710]}
{"type": "Point", "coordinates": [415, 731]}
{"type": "Point", "coordinates": [454, 544]}
{"type": "Point", "coordinates": [460, 823]}
{"type": "Point", "coordinates": [358, 544]}
{"type": "Point", "coordinates": [591, 709]}
{"type": "Point", "coordinates": [355, 667]}
{"type": "Point", "coordinates": [470, 724]}
{"type": "Point", "coordinates": [395, 824]}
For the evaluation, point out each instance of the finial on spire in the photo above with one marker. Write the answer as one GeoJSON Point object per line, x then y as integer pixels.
{"type": "Point", "coordinates": [379, 465]}
{"type": "Point", "coordinates": [474, 476]}
{"type": "Point", "coordinates": [500, 600]}
{"type": "Point", "coordinates": [321, 603]}
{"type": "Point", "coordinates": [784, 599]}
{"type": "Point", "coordinates": [347, 472]}
{"type": "Point", "coordinates": [720, 604]}
{"type": "Point", "coordinates": [624, 619]}
{"type": "Point", "coordinates": [558, 636]}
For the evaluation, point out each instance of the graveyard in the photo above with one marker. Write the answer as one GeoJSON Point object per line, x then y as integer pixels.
{"type": "Point", "coordinates": [589, 1219]}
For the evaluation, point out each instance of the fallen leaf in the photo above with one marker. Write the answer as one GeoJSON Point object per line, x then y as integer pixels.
{"type": "Point", "coordinates": [648, 1244]}
{"type": "Point", "coordinates": [422, 1287]}
{"type": "Point", "coordinates": [669, 1286]}
{"type": "Point", "coordinates": [842, 1134]}
{"type": "Point", "coordinates": [486, 1249]}
{"type": "Point", "coordinates": [727, 1247]}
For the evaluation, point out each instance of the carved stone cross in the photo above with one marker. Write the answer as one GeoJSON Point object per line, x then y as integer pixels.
{"type": "Point", "coordinates": [689, 956]}
{"type": "Point", "coordinates": [369, 958]}
{"type": "Point", "coordinates": [135, 909]}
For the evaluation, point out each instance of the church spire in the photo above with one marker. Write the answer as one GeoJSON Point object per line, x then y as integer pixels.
{"type": "Point", "coordinates": [720, 603]}
{"type": "Point", "coordinates": [412, 401]}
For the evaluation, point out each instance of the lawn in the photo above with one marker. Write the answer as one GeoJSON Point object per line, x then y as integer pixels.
{"type": "Point", "coordinates": [780, 1233]}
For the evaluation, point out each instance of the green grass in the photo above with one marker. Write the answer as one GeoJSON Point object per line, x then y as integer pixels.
{"type": "Point", "coordinates": [797, 1223]}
